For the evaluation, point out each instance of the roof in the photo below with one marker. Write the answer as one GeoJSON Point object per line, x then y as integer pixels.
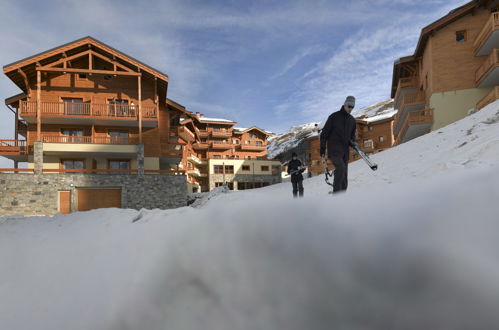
{"type": "Point", "coordinates": [73, 44]}
{"type": "Point", "coordinates": [244, 130]}
{"type": "Point", "coordinates": [216, 120]}
{"type": "Point", "coordinates": [452, 16]}
{"type": "Point", "coordinates": [383, 116]}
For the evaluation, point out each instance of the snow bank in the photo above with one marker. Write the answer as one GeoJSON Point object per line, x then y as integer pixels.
{"type": "Point", "coordinates": [411, 246]}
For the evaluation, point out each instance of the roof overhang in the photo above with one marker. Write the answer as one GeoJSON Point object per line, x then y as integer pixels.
{"type": "Point", "coordinates": [19, 71]}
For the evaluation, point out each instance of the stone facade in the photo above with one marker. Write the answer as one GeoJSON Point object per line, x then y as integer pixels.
{"type": "Point", "coordinates": [236, 178]}
{"type": "Point", "coordinates": [29, 194]}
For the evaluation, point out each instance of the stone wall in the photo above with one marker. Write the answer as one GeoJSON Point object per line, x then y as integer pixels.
{"type": "Point", "coordinates": [29, 194]}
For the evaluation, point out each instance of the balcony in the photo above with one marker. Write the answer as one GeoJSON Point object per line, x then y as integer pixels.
{"type": "Point", "coordinates": [90, 139]}
{"type": "Point", "coordinates": [172, 150]}
{"type": "Point", "coordinates": [488, 38]}
{"type": "Point", "coordinates": [487, 74]}
{"type": "Point", "coordinates": [202, 133]}
{"type": "Point", "coordinates": [220, 145]}
{"type": "Point", "coordinates": [22, 128]}
{"type": "Point", "coordinates": [406, 83]}
{"type": "Point", "coordinates": [195, 160]}
{"type": "Point", "coordinates": [200, 146]}
{"type": "Point", "coordinates": [221, 134]}
{"type": "Point", "coordinates": [416, 123]}
{"type": "Point", "coordinates": [185, 134]}
{"type": "Point", "coordinates": [13, 147]}
{"type": "Point", "coordinates": [194, 172]}
{"type": "Point", "coordinates": [89, 111]}
{"type": "Point", "coordinates": [253, 147]}
{"type": "Point", "coordinates": [410, 102]}
{"type": "Point", "coordinates": [489, 98]}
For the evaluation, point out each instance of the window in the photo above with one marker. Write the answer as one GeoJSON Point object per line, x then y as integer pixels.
{"type": "Point", "coordinates": [218, 169]}
{"type": "Point", "coordinates": [82, 76]}
{"type": "Point", "coordinates": [247, 157]}
{"type": "Point", "coordinates": [229, 169]}
{"type": "Point", "coordinates": [265, 168]}
{"type": "Point", "coordinates": [75, 106]}
{"type": "Point", "coordinates": [119, 164]}
{"type": "Point", "coordinates": [252, 136]}
{"type": "Point", "coordinates": [72, 135]}
{"type": "Point", "coordinates": [217, 157]}
{"type": "Point", "coordinates": [381, 139]}
{"type": "Point", "coordinates": [73, 164]}
{"type": "Point", "coordinates": [259, 143]}
{"type": "Point", "coordinates": [369, 128]}
{"type": "Point", "coordinates": [246, 168]}
{"type": "Point", "coordinates": [118, 136]}
{"type": "Point", "coordinates": [368, 143]}
{"type": "Point", "coordinates": [235, 141]}
{"type": "Point", "coordinates": [237, 156]}
{"type": "Point", "coordinates": [219, 184]}
{"type": "Point", "coordinates": [461, 36]}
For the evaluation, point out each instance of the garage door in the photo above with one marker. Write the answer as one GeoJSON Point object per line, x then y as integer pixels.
{"type": "Point", "coordinates": [89, 199]}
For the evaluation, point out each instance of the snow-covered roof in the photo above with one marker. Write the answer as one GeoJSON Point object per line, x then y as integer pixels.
{"type": "Point", "coordinates": [382, 116]}
{"type": "Point", "coordinates": [220, 120]}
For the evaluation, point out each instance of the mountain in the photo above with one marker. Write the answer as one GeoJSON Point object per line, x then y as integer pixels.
{"type": "Point", "coordinates": [281, 143]}
{"type": "Point", "coordinates": [410, 246]}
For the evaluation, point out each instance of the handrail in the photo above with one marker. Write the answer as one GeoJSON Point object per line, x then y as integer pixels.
{"type": "Point", "coordinates": [491, 24]}
{"type": "Point", "coordinates": [122, 111]}
{"type": "Point", "coordinates": [17, 170]}
{"type": "Point", "coordinates": [489, 98]}
{"type": "Point", "coordinates": [491, 61]}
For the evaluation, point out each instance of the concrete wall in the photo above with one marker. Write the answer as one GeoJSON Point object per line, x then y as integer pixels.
{"type": "Point", "coordinates": [29, 194]}
{"type": "Point", "coordinates": [454, 105]}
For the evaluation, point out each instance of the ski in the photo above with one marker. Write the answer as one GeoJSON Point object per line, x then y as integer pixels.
{"type": "Point", "coordinates": [298, 170]}
{"type": "Point", "coordinates": [328, 173]}
{"type": "Point", "coordinates": [365, 157]}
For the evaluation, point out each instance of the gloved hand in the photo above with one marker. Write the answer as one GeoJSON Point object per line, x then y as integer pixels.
{"type": "Point", "coordinates": [322, 152]}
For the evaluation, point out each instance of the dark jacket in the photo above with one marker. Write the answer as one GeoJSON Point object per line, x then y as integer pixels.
{"type": "Point", "coordinates": [293, 165]}
{"type": "Point", "coordinates": [337, 133]}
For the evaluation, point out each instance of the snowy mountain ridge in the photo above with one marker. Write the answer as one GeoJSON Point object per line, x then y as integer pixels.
{"type": "Point", "coordinates": [297, 134]}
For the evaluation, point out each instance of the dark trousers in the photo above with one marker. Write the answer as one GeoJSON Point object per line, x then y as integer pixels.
{"type": "Point", "coordinates": [297, 188]}
{"type": "Point", "coordinates": [340, 163]}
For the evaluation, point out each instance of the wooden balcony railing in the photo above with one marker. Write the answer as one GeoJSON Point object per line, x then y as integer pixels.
{"type": "Point", "coordinates": [66, 109]}
{"type": "Point", "coordinates": [406, 83]}
{"type": "Point", "coordinates": [490, 63]}
{"type": "Point", "coordinates": [221, 134]}
{"type": "Point", "coordinates": [185, 134]}
{"type": "Point", "coordinates": [22, 127]}
{"type": "Point", "coordinates": [13, 147]}
{"type": "Point", "coordinates": [220, 145]}
{"type": "Point", "coordinates": [200, 146]}
{"type": "Point", "coordinates": [253, 146]}
{"type": "Point", "coordinates": [491, 25]}
{"type": "Point", "coordinates": [413, 98]}
{"type": "Point", "coordinates": [202, 133]}
{"type": "Point", "coordinates": [90, 139]}
{"type": "Point", "coordinates": [489, 98]}
{"type": "Point", "coordinates": [16, 170]}
{"type": "Point", "coordinates": [415, 117]}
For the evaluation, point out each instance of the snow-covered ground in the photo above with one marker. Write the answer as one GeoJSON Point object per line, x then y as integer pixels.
{"type": "Point", "coordinates": [411, 246]}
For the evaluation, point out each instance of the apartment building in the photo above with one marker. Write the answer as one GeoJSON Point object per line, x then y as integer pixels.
{"type": "Point", "coordinates": [453, 71]}
{"type": "Point", "coordinates": [216, 153]}
{"type": "Point", "coordinates": [86, 113]}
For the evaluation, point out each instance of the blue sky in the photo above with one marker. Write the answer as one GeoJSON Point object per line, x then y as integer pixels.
{"type": "Point", "coordinates": [273, 64]}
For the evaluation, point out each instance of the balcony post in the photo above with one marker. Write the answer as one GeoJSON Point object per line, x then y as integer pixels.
{"type": "Point", "coordinates": [139, 92]}
{"type": "Point", "coordinates": [38, 157]}
{"type": "Point", "coordinates": [38, 106]}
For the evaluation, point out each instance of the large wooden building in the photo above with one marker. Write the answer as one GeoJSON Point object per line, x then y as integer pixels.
{"type": "Point", "coordinates": [217, 153]}
{"type": "Point", "coordinates": [453, 71]}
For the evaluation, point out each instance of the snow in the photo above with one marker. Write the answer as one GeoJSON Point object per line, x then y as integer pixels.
{"type": "Point", "coordinates": [215, 119]}
{"type": "Point", "coordinates": [410, 246]}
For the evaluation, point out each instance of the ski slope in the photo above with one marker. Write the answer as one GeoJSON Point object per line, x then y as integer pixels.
{"type": "Point", "coordinates": [410, 246]}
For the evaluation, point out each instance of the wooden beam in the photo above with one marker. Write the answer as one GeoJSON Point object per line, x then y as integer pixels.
{"type": "Point", "coordinates": [105, 72]}
{"type": "Point", "coordinates": [90, 61]}
{"type": "Point", "coordinates": [66, 59]}
{"type": "Point", "coordinates": [139, 91]}
{"type": "Point", "coordinates": [38, 106]}
{"type": "Point", "coordinates": [156, 98]}
{"type": "Point", "coordinates": [112, 61]}
{"type": "Point", "coordinates": [26, 83]}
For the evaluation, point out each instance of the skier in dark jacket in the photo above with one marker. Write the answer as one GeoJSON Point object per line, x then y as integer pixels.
{"type": "Point", "coordinates": [338, 134]}
{"type": "Point", "coordinates": [296, 168]}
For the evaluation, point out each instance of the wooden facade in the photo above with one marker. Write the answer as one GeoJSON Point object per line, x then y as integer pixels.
{"type": "Point", "coordinates": [453, 69]}
{"type": "Point", "coordinates": [218, 139]}
{"type": "Point", "coordinates": [88, 102]}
